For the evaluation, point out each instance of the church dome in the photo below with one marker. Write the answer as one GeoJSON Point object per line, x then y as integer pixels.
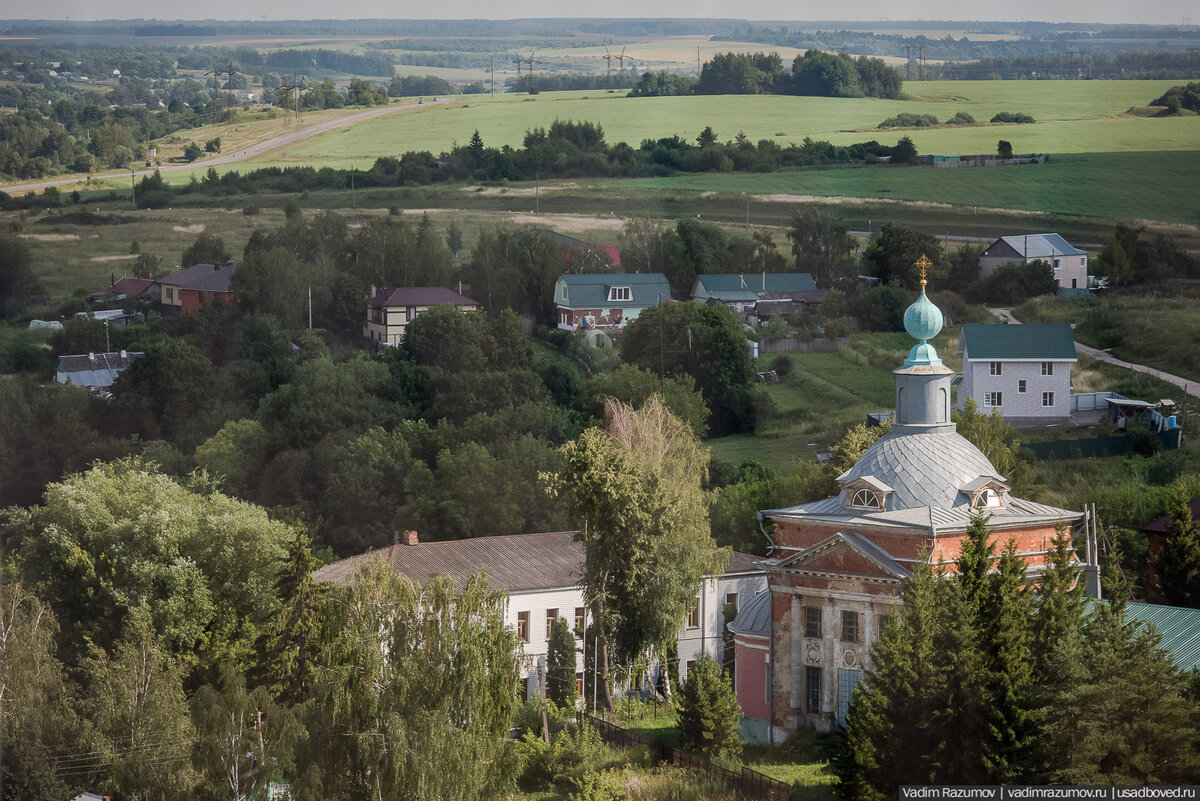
{"type": "Point", "coordinates": [923, 320]}
{"type": "Point", "coordinates": [923, 469]}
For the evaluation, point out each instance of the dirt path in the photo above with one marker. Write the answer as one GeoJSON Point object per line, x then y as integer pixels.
{"type": "Point", "coordinates": [291, 137]}
{"type": "Point", "coordinates": [1190, 387]}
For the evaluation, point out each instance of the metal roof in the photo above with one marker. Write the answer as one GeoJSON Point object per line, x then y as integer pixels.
{"type": "Point", "coordinates": [754, 618]}
{"type": "Point", "coordinates": [591, 290]}
{"type": "Point", "coordinates": [516, 562]}
{"type": "Point", "coordinates": [1051, 342]}
{"type": "Point", "coordinates": [1042, 246]}
{"type": "Point", "coordinates": [1178, 627]}
{"type": "Point", "coordinates": [204, 277]}
{"type": "Point", "coordinates": [420, 296]}
{"type": "Point", "coordinates": [94, 369]}
{"type": "Point", "coordinates": [730, 286]}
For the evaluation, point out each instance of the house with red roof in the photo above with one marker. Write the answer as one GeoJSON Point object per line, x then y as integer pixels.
{"type": "Point", "coordinates": [127, 287]}
{"type": "Point", "coordinates": [192, 288]}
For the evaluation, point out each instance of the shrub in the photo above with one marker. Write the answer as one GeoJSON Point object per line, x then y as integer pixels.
{"type": "Point", "coordinates": [251, 211]}
{"type": "Point", "coordinates": [709, 716]}
{"type": "Point", "coordinates": [909, 120]}
{"type": "Point", "coordinates": [781, 364]}
{"type": "Point", "coordinates": [1009, 116]}
{"type": "Point", "coordinates": [961, 118]}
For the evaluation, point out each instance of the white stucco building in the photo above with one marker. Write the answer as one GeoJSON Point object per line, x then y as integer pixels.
{"type": "Point", "coordinates": [1023, 371]}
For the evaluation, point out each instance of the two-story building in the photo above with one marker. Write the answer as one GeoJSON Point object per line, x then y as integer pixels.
{"type": "Point", "coordinates": [390, 310]}
{"type": "Point", "coordinates": [190, 289]}
{"type": "Point", "coordinates": [1069, 262]}
{"type": "Point", "coordinates": [607, 300]}
{"type": "Point", "coordinates": [541, 573]}
{"type": "Point", "coordinates": [1023, 371]}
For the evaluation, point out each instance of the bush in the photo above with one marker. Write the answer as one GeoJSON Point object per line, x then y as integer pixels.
{"type": "Point", "coordinates": [251, 211]}
{"type": "Point", "coordinates": [192, 152]}
{"type": "Point", "coordinates": [909, 120]}
{"type": "Point", "coordinates": [961, 118]}
{"type": "Point", "coordinates": [1009, 116]}
{"type": "Point", "coordinates": [709, 716]}
{"type": "Point", "coordinates": [781, 364]}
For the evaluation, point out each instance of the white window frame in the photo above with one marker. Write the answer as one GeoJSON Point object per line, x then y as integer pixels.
{"type": "Point", "coordinates": [866, 499]}
{"type": "Point", "coordinates": [619, 293]}
{"type": "Point", "coordinates": [1047, 400]}
{"type": "Point", "coordinates": [1047, 368]}
{"type": "Point", "coordinates": [1021, 386]}
{"type": "Point", "coordinates": [993, 400]}
{"type": "Point", "coordinates": [995, 368]}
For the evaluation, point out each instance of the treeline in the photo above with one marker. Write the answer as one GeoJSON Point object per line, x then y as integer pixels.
{"type": "Point", "coordinates": [1126, 65]}
{"type": "Point", "coordinates": [813, 73]}
{"type": "Point", "coordinates": [562, 81]}
{"type": "Point", "coordinates": [299, 61]}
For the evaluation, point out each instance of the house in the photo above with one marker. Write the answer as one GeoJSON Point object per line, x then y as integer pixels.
{"type": "Point", "coordinates": [127, 287]}
{"type": "Point", "coordinates": [608, 300]}
{"type": "Point", "coordinates": [759, 295]}
{"type": "Point", "coordinates": [837, 566]}
{"type": "Point", "coordinates": [1069, 262]}
{"type": "Point", "coordinates": [1024, 371]}
{"type": "Point", "coordinates": [190, 289]}
{"type": "Point", "coordinates": [1156, 534]}
{"type": "Point", "coordinates": [389, 311]}
{"type": "Point", "coordinates": [541, 573]}
{"type": "Point", "coordinates": [95, 372]}
{"type": "Point", "coordinates": [581, 256]}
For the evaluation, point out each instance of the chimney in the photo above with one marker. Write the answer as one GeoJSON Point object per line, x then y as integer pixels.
{"type": "Point", "coordinates": [374, 291]}
{"type": "Point", "coordinates": [410, 538]}
{"type": "Point", "coordinates": [124, 355]}
{"type": "Point", "coordinates": [91, 357]}
{"type": "Point", "coordinates": [216, 267]}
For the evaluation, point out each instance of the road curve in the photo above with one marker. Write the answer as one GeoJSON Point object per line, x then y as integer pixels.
{"type": "Point", "coordinates": [1190, 387]}
{"type": "Point", "coordinates": [288, 138]}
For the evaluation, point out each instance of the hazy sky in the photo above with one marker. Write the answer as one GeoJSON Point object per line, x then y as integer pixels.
{"type": "Point", "coordinates": [1146, 11]}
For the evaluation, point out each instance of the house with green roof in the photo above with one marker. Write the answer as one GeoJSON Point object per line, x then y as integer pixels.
{"type": "Point", "coordinates": [607, 300]}
{"type": "Point", "coordinates": [759, 295]}
{"type": "Point", "coordinates": [1023, 371]}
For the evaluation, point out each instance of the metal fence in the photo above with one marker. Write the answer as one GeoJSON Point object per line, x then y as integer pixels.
{"type": "Point", "coordinates": [749, 784]}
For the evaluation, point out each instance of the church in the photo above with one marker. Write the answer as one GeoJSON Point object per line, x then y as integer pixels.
{"type": "Point", "coordinates": [837, 566]}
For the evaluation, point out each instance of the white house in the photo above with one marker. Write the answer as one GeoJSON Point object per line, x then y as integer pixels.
{"type": "Point", "coordinates": [1068, 261]}
{"type": "Point", "coordinates": [1024, 371]}
{"type": "Point", "coordinates": [541, 573]}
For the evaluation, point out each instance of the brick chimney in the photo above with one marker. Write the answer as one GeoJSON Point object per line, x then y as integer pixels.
{"type": "Point", "coordinates": [411, 538]}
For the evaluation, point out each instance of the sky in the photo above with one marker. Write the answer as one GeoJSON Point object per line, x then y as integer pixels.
{"type": "Point", "coordinates": [1108, 11]}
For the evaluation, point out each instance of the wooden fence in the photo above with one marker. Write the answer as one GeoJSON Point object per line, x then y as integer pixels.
{"type": "Point", "coordinates": [749, 784]}
{"type": "Point", "coordinates": [802, 345]}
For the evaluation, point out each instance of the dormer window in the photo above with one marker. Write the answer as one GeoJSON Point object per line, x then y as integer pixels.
{"type": "Point", "coordinates": [865, 499]}
{"type": "Point", "coordinates": [619, 293]}
{"type": "Point", "coordinates": [985, 493]}
{"type": "Point", "coordinates": [988, 499]}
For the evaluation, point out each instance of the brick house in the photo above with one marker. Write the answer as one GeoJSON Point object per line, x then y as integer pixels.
{"type": "Point", "coordinates": [1069, 262]}
{"type": "Point", "coordinates": [607, 300]}
{"type": "Point", "coordinates": [541, 574]}
{"type": "Point", "coordinates": [389, 311]}
{"type": "Point", "coordinates": [1024, 371]}
{"type": "Point", "coordinates": [190, 289]}
{"type": "Point", "coordinates": [837, 566]}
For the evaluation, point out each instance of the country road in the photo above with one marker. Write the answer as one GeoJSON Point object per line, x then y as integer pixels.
{"type": "Point", "coordinates": [291, 137]}
{"type": "Point", "coordinates": [1190, 387]}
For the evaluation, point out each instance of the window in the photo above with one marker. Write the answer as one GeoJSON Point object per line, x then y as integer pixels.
{"type": "Point", "coordinates": [409, 313]}
{"type": "Point", "coordinates": [1021, 387]}
{"type": "Point", "coordinates": [996, 368]}
{"type": "Point", "coordinates": [523, 626]}
{"type": "Point", "coordinates": [563, 293]}
{"type": "Point", "coordinates": [170, 293]}
{"type": "Point", "coordinates": [693, 618]}
{"type": "Point", "coordinates": [1047, 368]}
{"type": "Point", "coordinates": [812, 622]}
{"type": "Point", "coordinates": [579, 684]}
{"type": "Point", "coordinates": [993, 399]}
{"type": "Point", "coordinates": [524, 688]}
{"type": "Point", "coordinates": [731, 600]}
{"type": "Point", "coordinates": [988, 499]}
{"type": "Point", "coordinates": [579, 619]}
{"type": "Point", "coordinates": [849, 626]}
{"type": "Point", "coordinates": [812, 688]}
{"type": "Point", "coordinates": [884, 620]}
{"type": "Point", "coordinates": [688, 668]}
{"type": "Point", "coordinates": [866, 499]}
{"type": "Point", "coordinates": [1047, 399]}
{"type": "Point", "coordinates": [551, 617]}
{"type": "Point", "coordinates": [620, 293]}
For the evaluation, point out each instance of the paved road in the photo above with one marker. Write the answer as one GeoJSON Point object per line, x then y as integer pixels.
{"type": "Point", "coordinates": [1190, 387]}
{"type": "Point", "coordinates": [291, 137]}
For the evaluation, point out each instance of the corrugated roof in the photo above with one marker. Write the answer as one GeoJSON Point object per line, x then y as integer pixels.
{"type": "Point", "coordinates": [1051, 341]}
{"type": "Point", "coordinates": [94, 369]}
{"type": "Point", "coordinates": [1178, 627]}
{"type": "Point", "coordinates": [204, 277]}
{"type": "Point", "coordinates": [718, 284]}
{"type": "Point", "coordinates": [1042, 246]}
{"type": "Point", "coordinates": [516, 562]}
{"type": "Point", "coordinates": [590, 291]}
{"type": "Point", "coordinates": [754, 618]}
{"type": "Point", "coordinates": [420, 296]}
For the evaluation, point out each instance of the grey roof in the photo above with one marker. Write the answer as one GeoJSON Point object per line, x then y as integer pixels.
{"type": "Point", "coordinates": [1052, 341]}
{"type": "Point", "coordinates": [94, 369]}
{"type": "Point", "coordinates": [1042, 246]}
{"type": "Point", "coordinates": [732, 286]}
{"type": "Point", "coordinates": [421, 296]}
{"type": "Point", "coordinates": [516, 562]}
{"type": "Point", "coordinates": [590, 291]}
{"type": "Point", "coordinates": [205, 277]}
{"type": "Point", "coordinates": [754, 618]}
{"type": "Point", "coordinates": [927, 473]}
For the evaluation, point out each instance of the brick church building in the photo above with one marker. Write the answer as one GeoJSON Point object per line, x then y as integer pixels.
{"type": "Point", "coordinates": [837, 566]}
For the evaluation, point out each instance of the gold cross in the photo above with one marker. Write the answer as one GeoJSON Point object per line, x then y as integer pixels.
{"type": "Point", "coordinates": [924, 263]}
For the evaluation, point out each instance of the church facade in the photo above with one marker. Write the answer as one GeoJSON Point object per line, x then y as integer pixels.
{"type": "Point", "coordinates": [837, 566]}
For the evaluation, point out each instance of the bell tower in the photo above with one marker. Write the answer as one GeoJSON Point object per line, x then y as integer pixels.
{"type": "Point", "coordinates": [923, 383]}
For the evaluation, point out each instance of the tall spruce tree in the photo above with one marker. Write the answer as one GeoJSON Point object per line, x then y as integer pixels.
{"type": "Point", "coordinates": [291, 639]}
{"type": "Point", "coordinates": [709, 715]}
{"type": "Point", "coordinates": [560, 665]}
{"type": "Point", "coordinates": [1178, 563]}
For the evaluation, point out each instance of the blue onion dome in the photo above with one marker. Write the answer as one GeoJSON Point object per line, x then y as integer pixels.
{"type": "Point", "coordinates": [923, 321]}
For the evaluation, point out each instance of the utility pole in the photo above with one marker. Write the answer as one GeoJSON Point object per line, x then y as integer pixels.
{"type": "Point", "coordinates": [132, 187]}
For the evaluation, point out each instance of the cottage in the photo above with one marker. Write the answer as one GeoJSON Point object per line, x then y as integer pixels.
{"type": "Point", "coordinates": [1023, 371]}
{"type": "Point", "coordinates": [192, 288]}
{"type": "Point", "coordinates": [1069, 262]}
{"type": "Point", "coordinates": [95, 372]}
{"type": "Point", "coordinates": [541, 573]}
{"type": "Point", "coordinates": [759, 295]}
{"type": "Point", "coordinates": [837, 566]}
{"type": "Point", "coordinates": [389, 311]}
{"type": "Point", "coordinates": [128, 287]}
{"type": "Point", "coordinates": [607, 301]}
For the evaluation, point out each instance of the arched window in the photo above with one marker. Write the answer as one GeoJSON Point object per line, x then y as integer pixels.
{"type": "Point", "coordinates": [943, 412]}
{"type": "Point", "coordinates": [865, 499]}
{"type": "Point", "coordinates": [988, 499]}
